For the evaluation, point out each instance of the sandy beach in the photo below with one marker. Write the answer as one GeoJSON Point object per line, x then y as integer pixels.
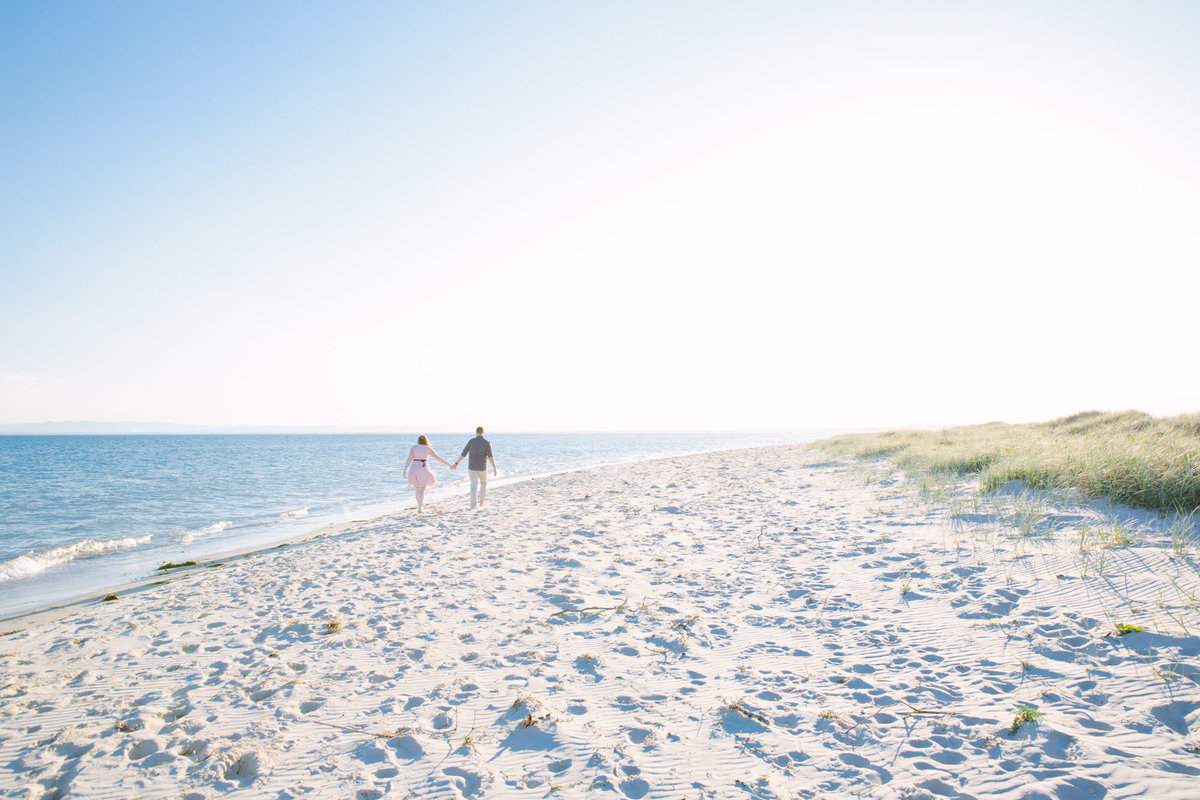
{"type": "Point", "coordinates": [759, 623]}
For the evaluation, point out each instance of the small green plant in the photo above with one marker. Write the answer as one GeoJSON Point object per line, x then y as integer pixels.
{"type": "Point", "coordinates": [108, 598]}
{"type": "Point", "coordinates": [958, 507]}
{"type": "Point", "coordinates": [1116, 535]}
{"type": "Point", "coordinates": [1181, 526]}
{"type": "Point", "coordinates": [1124, 628]}
{"type": "Point", "coordinates": [1164, 674]}
{"type": "Point", "coordinates": [1029, 511]}
{"type": "Point", "coordinates": [1022, 716]}
{"type": "Point", "coordinates": [1085, 544]}
{"type": "Point", "coordinates": [333, 626]}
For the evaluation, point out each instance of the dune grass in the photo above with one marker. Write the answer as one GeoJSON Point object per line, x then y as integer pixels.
{"type": "Point", "coordinates": [1130, 457]}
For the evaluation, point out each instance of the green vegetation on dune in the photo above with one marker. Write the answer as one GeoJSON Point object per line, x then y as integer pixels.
{"type": "Point", "coordinates": [1130, 457]}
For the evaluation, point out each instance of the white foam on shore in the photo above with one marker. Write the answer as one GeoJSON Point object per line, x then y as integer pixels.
{"type": "Point", "coordinates": [23, 566]}
{"type": "Point", "coordinates": [295, 513]}
{"type": "Point", "coordinates": [187, 536]}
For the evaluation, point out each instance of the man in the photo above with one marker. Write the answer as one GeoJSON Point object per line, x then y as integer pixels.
{"type": "Point", "coordinates": [481, 453]}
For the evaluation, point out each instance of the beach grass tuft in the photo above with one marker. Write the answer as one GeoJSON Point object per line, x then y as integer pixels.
{"type": "Point", "coordinates": [1182, 526]}
{"type": "Point", "coordinates": [1129, 457]}
{"type": "Point", "coordinates": [1022, 716]}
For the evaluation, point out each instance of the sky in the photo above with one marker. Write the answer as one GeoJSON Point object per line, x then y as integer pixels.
{"type": "Point", "coordinates": [598, 216]}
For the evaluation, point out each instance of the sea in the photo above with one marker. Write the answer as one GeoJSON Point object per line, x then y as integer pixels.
{"type": "Point", "coordinates": [83, 514]}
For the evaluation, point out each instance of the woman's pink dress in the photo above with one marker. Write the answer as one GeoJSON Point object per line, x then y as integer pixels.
{"type": "Point", "coordinates": [419, 473]}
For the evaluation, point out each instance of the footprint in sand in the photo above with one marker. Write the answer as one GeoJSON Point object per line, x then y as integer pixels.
{"type": "Point", "coordinates": [634, 788]}
{"type": "Point", "coordinates": [370, 753]}
{"type": "Point", "coordinates": [855, 760]}
{"type": "Point", "coordinates": [406, 747]}
{"type": "Point", "coordinates": [589, 665]}
{"type": "Point", "coordinates": [143, 748]}
{"type": "Point", "coordinates": [176, 712]}
{"type": "Point", "coordinates": [639, 735]}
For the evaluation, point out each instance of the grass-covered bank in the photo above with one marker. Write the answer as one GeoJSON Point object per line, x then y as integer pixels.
{"type": "Point", "coordinates": [1130, 457]}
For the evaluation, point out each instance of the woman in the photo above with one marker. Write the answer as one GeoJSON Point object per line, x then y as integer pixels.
{"type": "Point", "coordinates": [421, 477]}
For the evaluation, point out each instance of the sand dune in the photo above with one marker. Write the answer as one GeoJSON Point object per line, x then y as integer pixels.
{"type": "Point", "coordinates": [740, 624]}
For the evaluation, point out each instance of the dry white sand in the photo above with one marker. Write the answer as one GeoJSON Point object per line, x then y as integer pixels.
{"type": "Point", "coordinates": [737, 624]}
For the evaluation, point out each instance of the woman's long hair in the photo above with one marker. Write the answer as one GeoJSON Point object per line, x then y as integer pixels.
{"type": "Point", "coordinates": [422, 440]}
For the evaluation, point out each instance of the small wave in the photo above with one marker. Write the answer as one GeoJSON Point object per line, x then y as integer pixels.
{"type": "Point", "coordinates": [32, 563]}
{"type": "Point", "coordinates": [294, 514]}
{"type": "Point", "coordinates": [187, 536]}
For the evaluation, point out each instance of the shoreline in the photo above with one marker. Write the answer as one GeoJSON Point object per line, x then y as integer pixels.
{"type": "Point", "coordinates": [327, 528]}
{"type": "Point", "coordinates": [759, 621]}
{"type": "Point", "coordinates": [55, 611]}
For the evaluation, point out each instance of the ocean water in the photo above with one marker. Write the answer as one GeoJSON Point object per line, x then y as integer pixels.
{"type": "Point", "coordinates": [81, 514]}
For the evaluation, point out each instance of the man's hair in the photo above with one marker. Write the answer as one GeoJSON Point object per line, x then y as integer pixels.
{"type": "Point", "coordinates": [479, 431]}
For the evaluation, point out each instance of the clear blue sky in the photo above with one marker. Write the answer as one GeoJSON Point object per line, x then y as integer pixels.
{"type": "Point", "coordinates": [597, 216]}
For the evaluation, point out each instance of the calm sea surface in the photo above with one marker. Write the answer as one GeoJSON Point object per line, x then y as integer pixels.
{"type": "Point", "coordinates": [81, 514]}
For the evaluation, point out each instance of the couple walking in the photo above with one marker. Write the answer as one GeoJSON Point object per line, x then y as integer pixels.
{"type": "Point", "coordinates": [421, 476]}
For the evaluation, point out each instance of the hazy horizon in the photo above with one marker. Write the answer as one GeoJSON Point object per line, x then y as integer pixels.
{"type": "Point", "coordinates": [60, 427]}
{"type": "Point", "coordinates": [139, 427]}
